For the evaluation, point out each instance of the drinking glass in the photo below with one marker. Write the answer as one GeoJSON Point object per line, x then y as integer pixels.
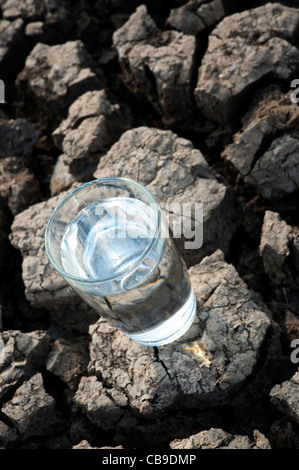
{"type": "Point", "coordinates": [110, 241]}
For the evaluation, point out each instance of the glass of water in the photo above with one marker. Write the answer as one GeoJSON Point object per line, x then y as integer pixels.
{"type": "Point", "coordinates": [109, 240]}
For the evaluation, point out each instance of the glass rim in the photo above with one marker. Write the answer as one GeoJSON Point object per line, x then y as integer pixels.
{"type": "Point", "coordinates": [140, 259]}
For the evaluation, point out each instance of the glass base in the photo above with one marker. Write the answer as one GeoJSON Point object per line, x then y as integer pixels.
{"type": "Point", "coordinates": [172, 328]}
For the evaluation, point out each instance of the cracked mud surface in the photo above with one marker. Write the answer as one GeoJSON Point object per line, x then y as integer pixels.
{"type": "Point", "coordinates": [193, 100]}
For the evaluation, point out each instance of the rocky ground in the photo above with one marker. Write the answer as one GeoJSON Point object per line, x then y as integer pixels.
{"type": "Point", "coordinates": [197, 101]}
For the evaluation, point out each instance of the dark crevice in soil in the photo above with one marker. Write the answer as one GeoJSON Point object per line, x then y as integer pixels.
{"type": "Point", "coordinates": [16, 310]}
{"type": "Point", "coordinates": [56, 388]}
{"type": "Point", "coordinates": [6, 420]}
{"type": "Point", "coordinates": [42, 162]}
{"type": "Point", "coordinates": [287, 207]}
{"type": "Point", "coordinates": [264, 147]}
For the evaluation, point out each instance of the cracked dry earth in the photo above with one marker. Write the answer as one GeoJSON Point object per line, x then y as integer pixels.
{"type": "Point", "coordinates": [193, 100]}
